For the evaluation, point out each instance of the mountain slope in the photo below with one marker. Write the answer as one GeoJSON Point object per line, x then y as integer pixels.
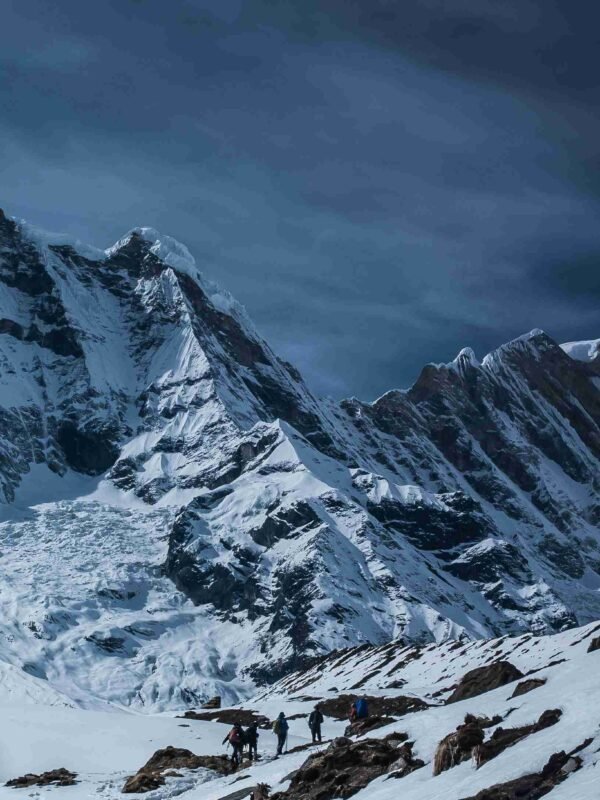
{"type": "Point", "coordinates": [184, 517]}
{"type": "Point", "coordinates": [560, 672]}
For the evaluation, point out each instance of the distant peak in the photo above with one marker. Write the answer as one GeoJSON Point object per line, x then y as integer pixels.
{"type": "Point", "coordinates": [467, 356]}
{"type": "Point", "coordinates": [532, 334]}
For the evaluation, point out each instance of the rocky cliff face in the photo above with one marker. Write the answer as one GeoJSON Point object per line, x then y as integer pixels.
{"type": "Point", "coordinates": [465, 506]}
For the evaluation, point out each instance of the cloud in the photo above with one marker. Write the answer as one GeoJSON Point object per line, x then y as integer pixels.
{"type": "Point", "coordinates": [379, 183]}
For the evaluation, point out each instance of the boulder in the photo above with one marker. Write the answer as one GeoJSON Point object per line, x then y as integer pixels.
{"type": "Point", "coordinates": [458, 746]}
{"type": "Point", "coordinates": [484, 679]}
{"type": "Point", "coordinates": [214, 702]}
{"type": "Point", "coordinates": [152, 774]}
{"type": "Point", "coordinates": [142, 782]}
{"type": "Point", "coordinates": [405, 763]}
{"type": "Point", "coordinates": [527, 686]}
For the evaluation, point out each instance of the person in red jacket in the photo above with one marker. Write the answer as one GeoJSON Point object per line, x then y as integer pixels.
{"type": "Point", "coordinates": [235, 737]}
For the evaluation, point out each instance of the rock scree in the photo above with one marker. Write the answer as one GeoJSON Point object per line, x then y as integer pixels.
{"type": "Point", "coordinates": [484, 679]}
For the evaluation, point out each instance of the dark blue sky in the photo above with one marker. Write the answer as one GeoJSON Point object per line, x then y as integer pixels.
{"type": "Point", "coordinates": [380, 183]}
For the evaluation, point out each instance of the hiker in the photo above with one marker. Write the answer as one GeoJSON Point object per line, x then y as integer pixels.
{"type": "Point", "coordinates": [353, 715]}
{"type": "Point", "coordinates": [314, 723]}
{"type": "Point", "coordinates": [280, 729]}
{"type": "Point", "coordinates": [362, 708]}
{"type": "Point", "coordinates": [251, 738]}
{"type": "Point", "coordinates": [235, 738]}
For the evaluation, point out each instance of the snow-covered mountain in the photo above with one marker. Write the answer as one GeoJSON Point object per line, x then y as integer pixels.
{"type": "Point", "coordinates": [183, 517]}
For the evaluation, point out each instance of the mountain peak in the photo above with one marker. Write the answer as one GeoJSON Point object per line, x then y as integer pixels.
{"type": "Point", "coordinates": [166, 248]}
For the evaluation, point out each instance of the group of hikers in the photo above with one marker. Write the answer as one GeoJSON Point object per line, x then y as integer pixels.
{"type": "Point", "coordinates": [239, 738]}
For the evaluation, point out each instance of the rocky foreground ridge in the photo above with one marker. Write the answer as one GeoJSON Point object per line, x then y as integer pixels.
{"type": "Point", "coordinates": [208, 523]}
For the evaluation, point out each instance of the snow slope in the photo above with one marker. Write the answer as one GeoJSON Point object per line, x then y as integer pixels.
{"type": "Point", "coordinates": [103, 748]}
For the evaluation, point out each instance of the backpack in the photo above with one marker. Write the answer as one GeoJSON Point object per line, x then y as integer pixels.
{"type": "Point", "coordinates": [361, 708]}
{"type": "Point", "coordinates": [276, 727]}
{"type": "Point", "coordinates": [235, 737]}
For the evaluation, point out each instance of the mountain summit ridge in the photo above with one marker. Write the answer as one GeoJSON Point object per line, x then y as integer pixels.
{"type": "Point", "coordinates": [271, 526]}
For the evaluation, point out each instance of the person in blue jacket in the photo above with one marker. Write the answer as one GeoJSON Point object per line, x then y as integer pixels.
{"type": "Point", "coordinates": [362, 708]}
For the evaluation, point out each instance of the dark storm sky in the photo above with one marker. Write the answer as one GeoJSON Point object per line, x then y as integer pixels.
{"type": "Point", "coordinates": [380, 183]}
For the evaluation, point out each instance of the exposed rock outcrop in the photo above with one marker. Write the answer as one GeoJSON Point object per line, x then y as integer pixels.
{"type": "Point", "coordinates": [214, 702]}
{"type": "Point", "coordinates": [345, 767]}
{"type": "Point", "coordinates": [458, 746]}
{"type": "Point", "coordinates": [506, 737]}
{"type": "Point", "coordinates": [153, 773]}
{"type": "Point", "coordinates": [535, 785]}
{"type": "Point", "coordinates": [362, 726]}
{"type": "Point", "coordinates": [339, 707]}
{"type": "Point", "coordinates": [484, 679]}
{"type": "Point", "coordinates": [55, 777]}
{"type": "Point", "coordinates": [229, 716]}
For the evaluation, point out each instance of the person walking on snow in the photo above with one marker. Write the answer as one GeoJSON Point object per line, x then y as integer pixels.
{"type": "Point", "coordinates": [280, 729]}
{"type": "Point", "coordinates": [252, 741]}
{"type": "Point", "coordinates": [235, 737]}
{"type": "Point", "coordinates": [314, 723]}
